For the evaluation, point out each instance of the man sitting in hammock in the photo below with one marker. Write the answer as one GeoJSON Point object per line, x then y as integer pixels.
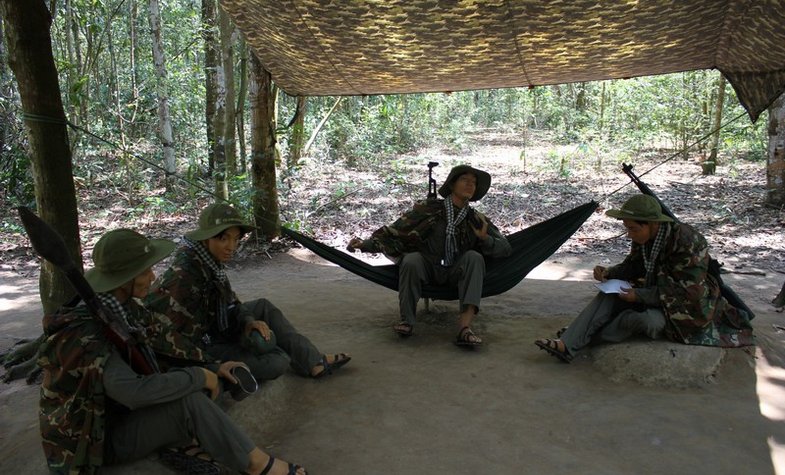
{"type": "Point", "coordinates": [442, 242]}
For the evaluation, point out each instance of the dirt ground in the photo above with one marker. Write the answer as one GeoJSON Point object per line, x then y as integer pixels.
{"type": "Point", "coordinates": [422, 405]}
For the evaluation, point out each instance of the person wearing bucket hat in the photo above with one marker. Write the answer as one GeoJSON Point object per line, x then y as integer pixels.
{"type": "Point", "coordinates": [96, 409]}
{"type": "Point", "coordinates": [665, 290]}
{"type": "Point", "coordinates": [442, 242]}
{"type": "Point", "coordinates": [196, 296]}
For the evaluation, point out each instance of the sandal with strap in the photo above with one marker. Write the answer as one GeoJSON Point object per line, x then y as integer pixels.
{"type": "Point", "coordinates": [555, 348]}
{"type": "Point", "coordinates": [467, 338]}
{"type": "Point", "coordinates": [339, 359]}
{"type": "Point", "coordinates": [403, 329]}
{"type": "Point", "coordinates": [190, 459]}
{"type": "Point", "coordinates": [292, 467]}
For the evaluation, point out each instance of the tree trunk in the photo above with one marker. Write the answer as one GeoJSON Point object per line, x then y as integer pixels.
{"type": "Point", "coordinates": [298, 134]}
{"type": "Point", "coordinates": [321, 124]}
{"type": "Point", "coordinates": [164, 118]}
{"type": "Point", "coordinates": [775, 166]}
{"type": "Point", "coordinates": [265, 193]}
{"type": "Point", "coordinates": [210, 70]}
{"type": "Point", "coordinates": [132, 15]}
{"type": "Point", "coordinates": [710, 165]}
{"type": "Point", "coordinates": [241, 95]}
{"type": "Point", "coordinates": [219, 148]}
{"type": "Point", "coordinates": [227, 61]}
{"type": "Point", "coordinates": [31, 60]}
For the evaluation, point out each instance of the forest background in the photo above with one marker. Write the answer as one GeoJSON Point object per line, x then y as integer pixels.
{"type": "Point", "coordinates": [165, 105]}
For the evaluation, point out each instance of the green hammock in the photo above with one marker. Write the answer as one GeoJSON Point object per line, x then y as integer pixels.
{"type": "Point", "coordinates": [530, 247]}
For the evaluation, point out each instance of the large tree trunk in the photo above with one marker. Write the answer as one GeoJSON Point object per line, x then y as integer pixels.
{"type": "Point", "coordinates": [227, 60]}
{"type": "Point", "coordinates": [164, 118]}
{"type": "Point", "coordinates": [710, 165]}
{"type": "Point", "coordinates": [30, 57]}
{"type": "Point", "coordinates": [265, 193]}
{"type": "Point", "coordinates": [210, 66]}
{"type": "Point", "coordinates": [775, 167]}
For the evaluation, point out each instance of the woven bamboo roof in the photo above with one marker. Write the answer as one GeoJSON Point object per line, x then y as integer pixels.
{"type": "Point", "coordinates": [352, 47]}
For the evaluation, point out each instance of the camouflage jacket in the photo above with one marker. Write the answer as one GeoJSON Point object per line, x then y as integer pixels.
{"type": "Point", "coordinates": [73, 404]}
{"type": "Point", "coordinates": [188, 294]}
{"type": "Point", "coordinates": [695, 310]}
{"type": "Point", "coordinates": [422, 229]}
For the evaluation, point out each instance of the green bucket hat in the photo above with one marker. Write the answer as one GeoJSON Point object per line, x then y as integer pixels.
{"type": "Point", "coordinates": [216, 218]}
{"type": "Point", "coordinates": [640, 208]}
{"type": "Point", "coordinates": [483, 181]}
{"type": "Point", "coordinates": [122, 254]}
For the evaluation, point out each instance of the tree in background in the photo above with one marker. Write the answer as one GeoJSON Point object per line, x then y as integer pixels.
{"type": "Point", "coordinates": [162, 90]}
{"type": "Point", "coordinates": [210, 71]}
{"type": "Point", "coordinates": [775, 169]}
{"type": "Point", "coordinates": [710, 164]}
{"type": "Point", "coordinates": [227, 63]}
{"type": "Point", "coordinates": [30, 56]}
{"type": "Point", "coordinates": [263, 181]}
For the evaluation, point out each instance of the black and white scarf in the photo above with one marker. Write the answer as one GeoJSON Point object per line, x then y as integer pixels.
{"type": "Point", "coordinates": [219, 273]}
{"type": "Point", "coordinates": [650, 259]}
{"type": "Point", "coordinates": [450, 244]}
{"type": "Point", "coordinates": [114, 306]}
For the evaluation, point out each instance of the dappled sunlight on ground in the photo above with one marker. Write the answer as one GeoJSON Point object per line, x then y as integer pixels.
{"type": "Point", "coordinates": [770, 388]}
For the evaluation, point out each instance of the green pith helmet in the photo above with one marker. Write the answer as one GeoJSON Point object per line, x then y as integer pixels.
{"type": "Point", "coordinates": [216, 218]}
{"type": "Point", "coordinates": [483, 181]}
{"type": "Point", "coordinates": [640, 208]}
{"type": "Point", "coordinates": [122, 254]}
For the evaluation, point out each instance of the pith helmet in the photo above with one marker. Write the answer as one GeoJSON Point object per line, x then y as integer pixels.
{"type": "Point", "coordinates": [483, 181]}
{"type": "Point", "coordinates": [122, 254]}
{"type": "Point", "coordinates": [216, 218]}
{"type": "Point", "coordinates": [640, 208]}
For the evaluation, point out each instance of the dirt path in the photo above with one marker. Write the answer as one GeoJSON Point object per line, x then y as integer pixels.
{"type": "Point", "coordinates": [424, 406]}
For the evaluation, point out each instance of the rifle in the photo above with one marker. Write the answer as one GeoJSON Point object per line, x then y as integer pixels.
{"type": "Point", "coordinates": [431, 181]}
{"type": "Point", "coordinates": [50, 245]}
{"type": "Point", "coordinates": [646, 190]}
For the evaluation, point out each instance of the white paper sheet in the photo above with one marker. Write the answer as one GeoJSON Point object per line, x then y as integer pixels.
{"type": "Point", "coordinates": [613, 286]}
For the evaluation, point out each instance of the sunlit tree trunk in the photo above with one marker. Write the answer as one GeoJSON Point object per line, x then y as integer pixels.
{"type": "Point", "coordinates": [164, 118]}
{"type": "Point", "coordinates": [31, 60]}
{"type": "Point", "coordinates": [241, 95]}
{"type": "Point", "coordinates": [132, 16]}
{"type": "Point", "coordinates": [265, 193]}
{"type": "Point", "coordinates": [219, 145]}
{"type": "Point", "coordinates": [227, 61]}
{"type": "Point", "coordinates": [210, 70]}
{"type": "Point", "coordinates": [710, 165]}
{"type": "Point", "coordinates": [775, 167]}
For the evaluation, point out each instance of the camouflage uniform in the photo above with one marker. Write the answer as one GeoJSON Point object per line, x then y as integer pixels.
{"type": "Point", "coordinates": [416, 242]}
{"type": "Point", "coordinates": [682, 295]}
{"type": "Point", "coordinates": [95, 410]}
{"type": "Point", "coordinates": [188, 294]}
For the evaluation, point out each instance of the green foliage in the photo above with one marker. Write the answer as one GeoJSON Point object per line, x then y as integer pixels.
{"type": "Point", "coordinates": [588, 124]}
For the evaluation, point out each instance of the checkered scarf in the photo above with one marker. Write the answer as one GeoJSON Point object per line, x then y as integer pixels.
{"type": "Point", "coordinates": [450, 244]}
{"type": "Point", "coordinates": [219, 273]}
{"type": "Point", "coordinates": [650, 259]}
{"type": "Point", "coordinates": [114, 307]}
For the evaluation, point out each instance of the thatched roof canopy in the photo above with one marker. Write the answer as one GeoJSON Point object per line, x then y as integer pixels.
{"type": "Point", "coordinates": [353, 47]}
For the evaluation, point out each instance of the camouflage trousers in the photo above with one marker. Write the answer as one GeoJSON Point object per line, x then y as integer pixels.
{"type": "Point", "coordinates": [467, 273]}
{"type": "Point", "coordinates": [608, 318]}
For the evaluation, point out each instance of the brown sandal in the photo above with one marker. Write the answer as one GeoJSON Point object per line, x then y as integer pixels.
{"type": "Point", "coordinates": [466, 337]}
{"type": "Point", "coordinates": [555, 348]}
